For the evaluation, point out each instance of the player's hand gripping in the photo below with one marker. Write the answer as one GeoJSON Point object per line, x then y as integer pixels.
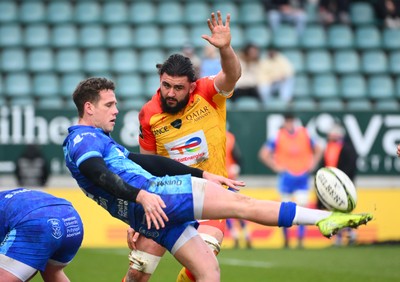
{"type": "Point", "coordinates": [153, 207]}
{"type": "Point", "coordinates": [220, 32]}
{"type": "Point", "coordinates": [131, 238]}
{"type": "Point", "coordinates": [234, 184]}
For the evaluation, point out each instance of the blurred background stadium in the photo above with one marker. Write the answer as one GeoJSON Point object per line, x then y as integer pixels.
{"type": "Point", "coordinates": [348, 72]}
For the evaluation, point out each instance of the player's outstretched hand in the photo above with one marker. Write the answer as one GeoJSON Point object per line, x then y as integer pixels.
{"type": "Point", "coordinates": [233, 184]}
{"type": "Point", "coordinates": [220, 32]}
{"type": "Point", "coordinates": [398, 150]}
{"type": "Point", "coordinates": [131, 238]}
{"type": "Point", "coordinates": [153, 207]}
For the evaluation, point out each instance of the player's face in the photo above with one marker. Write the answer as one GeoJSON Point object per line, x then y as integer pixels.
{"type": "Point", "coordinates": [175, 92]}
{"type": "Point", "coordinates": [289, 124]}
{"type": "Point", "coordinates": [104, 112]}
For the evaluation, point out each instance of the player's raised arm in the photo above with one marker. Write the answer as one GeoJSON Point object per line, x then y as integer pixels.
{"type": "Point", "coordinates": [221, 38]}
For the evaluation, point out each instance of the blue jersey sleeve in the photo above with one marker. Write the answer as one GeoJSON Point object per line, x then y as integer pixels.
{"type": "Point", "coordinates": [271, 144]}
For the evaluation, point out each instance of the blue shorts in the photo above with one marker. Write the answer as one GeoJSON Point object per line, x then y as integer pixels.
{"type": "Point", "coordinates": [48, 233]}
{"type": "Point", "coordinates": [176, 192]}
{"type": "Point", "coordinates": [289, 183]}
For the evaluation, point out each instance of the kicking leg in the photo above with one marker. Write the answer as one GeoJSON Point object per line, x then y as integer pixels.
{"type": "Point", "coordinates": [211, 201]}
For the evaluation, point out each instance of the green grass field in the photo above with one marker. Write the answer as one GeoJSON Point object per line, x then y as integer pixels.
{"type": "Point", "coordinates": [353, 264]}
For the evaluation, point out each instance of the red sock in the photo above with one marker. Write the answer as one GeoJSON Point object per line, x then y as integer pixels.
{"type": "Point", "coordinates": [189, 274]}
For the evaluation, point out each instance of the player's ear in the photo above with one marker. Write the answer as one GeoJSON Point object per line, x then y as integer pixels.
{"type": "Point", "coordinates": [192, 87]}
{"type": "Point", "coordinates": [88, 108]}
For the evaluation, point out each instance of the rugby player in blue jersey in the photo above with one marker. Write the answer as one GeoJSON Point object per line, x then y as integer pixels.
{"type": "Point", "coordinates": [161, 198]}
{"type": "Point", "coordinates": [38, 232]}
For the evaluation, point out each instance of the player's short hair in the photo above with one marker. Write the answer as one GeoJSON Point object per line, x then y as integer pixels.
{"type": "Point", "coordinates": [88, 91]}
{"type": "Point", "coordinates": [289, 116]}
{"type": "Point", "coordinates": [178, 65]}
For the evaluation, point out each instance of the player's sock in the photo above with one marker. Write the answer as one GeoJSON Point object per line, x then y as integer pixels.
{"type": "Point", "coordinates": [306, 216]}
{"type": "Point", "coordinates": [287, 212]}
{"type": "Point", "coordinates": [185, 276]}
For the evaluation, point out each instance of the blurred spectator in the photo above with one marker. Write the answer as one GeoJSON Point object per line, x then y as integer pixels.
{"type": "Point", "coordinates": [233, 162]}
{"type": "Point", "coordinates": [290, 11]}
{"type": "Point", "coordinates": [334, 11]}
{"type": "Point", "coordinates": [31, 168]}
{"type": "Point", "coordinates": [388, 11]}
{"type": "Point", "coordinates": [189, 51]}
{"type": "Point", "coordinates": [247, 85]}
{"type": "Point", "coordinates": [210, 62]}
{"type": "Point", "coordinates": [293, 155]}
{"type": "Point", "coordinates": [340, 153]}
{"type": "Point", "coordinates": [276, 75]}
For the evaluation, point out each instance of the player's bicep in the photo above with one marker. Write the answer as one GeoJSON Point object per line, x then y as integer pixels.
{"type": "Point", "coordinates": [223, 85]}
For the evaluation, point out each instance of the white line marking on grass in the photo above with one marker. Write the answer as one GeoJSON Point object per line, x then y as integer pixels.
{"type": "Point", "coordinates": [239, 262]}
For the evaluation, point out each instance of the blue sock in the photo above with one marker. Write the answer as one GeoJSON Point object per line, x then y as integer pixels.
{"type": "Point", "coordinates": [301, 231]}
{"type": "Point", "coordinates": [287, 212]}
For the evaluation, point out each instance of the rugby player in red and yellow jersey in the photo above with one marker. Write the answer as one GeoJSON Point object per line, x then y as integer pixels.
{"type": "Point", "coordinates": [293, 154]}
{"type": "Point", "coordinates": [186, 121]}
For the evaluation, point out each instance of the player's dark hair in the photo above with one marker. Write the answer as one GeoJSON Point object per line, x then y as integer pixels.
{"type": "Point", "coordinates": [88, 91]}
{"type": "Point", "coordinates": [178, 65]}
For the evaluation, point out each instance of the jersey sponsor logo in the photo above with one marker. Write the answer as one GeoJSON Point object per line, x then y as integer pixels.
{"type": "Point", "coordinates": [190, 149]}
{"type": "Point", "coordinates": [199, 114]}
{"type": "Point", "coordinates": [141, 131]}
{"type": "Point", "coordinates": [120, 153]}
{"type": "Point", "coordinates": [56, 231]}
{"type": "Point", "coordinates": [161, 130]}
{"type": "Point", "coordinates": [77, 139]}
{"type": "Point", "coordinates": [149, 233]}
{"type": "Point", "coordinates": [177, 123]}
{"type": "Point", "coordinates": [12, 194]}
{"type": "Point", "coordinates": [122, 208]}
{"type": "Point", "coordinates": [72, 226]}
{"type": "Point", "coordinates": [192, 145]}
{"type": "Point", "coordinates": [174, 182]}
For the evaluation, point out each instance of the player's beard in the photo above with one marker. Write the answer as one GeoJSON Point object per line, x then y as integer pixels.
{"type": "Point", "coordinates": [175, 109]}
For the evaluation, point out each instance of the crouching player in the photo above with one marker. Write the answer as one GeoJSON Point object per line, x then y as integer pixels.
{"type": "Point", "coordinates": [39, 232]}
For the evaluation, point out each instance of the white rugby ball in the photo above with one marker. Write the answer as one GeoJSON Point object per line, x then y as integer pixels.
{"type": "Point", "coordinates": [335, 189]}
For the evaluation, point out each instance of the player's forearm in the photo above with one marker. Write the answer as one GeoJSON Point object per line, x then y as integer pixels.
{"type": "Point", "coordinates": [161, 166]}
{"type": "Point", "coordinates": [96, 171]}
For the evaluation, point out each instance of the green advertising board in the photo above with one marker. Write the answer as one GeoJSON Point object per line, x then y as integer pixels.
{"type": "Point", "coordinates": [374, 134]}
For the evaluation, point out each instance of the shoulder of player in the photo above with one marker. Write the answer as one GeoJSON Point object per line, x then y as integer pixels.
{"type": "Point", "coordinates": [149, 109]}
{"type": "Point", "coordinates": [204, 83]}
{"type": "Point", "coordinates": [86, 132]}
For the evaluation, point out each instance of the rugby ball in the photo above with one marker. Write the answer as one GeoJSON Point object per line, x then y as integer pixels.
{"type": "Point", "coordinates": [335, 189]}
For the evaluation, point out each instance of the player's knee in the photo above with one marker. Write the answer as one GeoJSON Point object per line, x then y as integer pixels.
{"type": "Point", "coordinates": [211, 242]}
{"type": "Point", "coordinates": [210, 274]}
{"type": "Point", "coordinates": [142, 264]}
